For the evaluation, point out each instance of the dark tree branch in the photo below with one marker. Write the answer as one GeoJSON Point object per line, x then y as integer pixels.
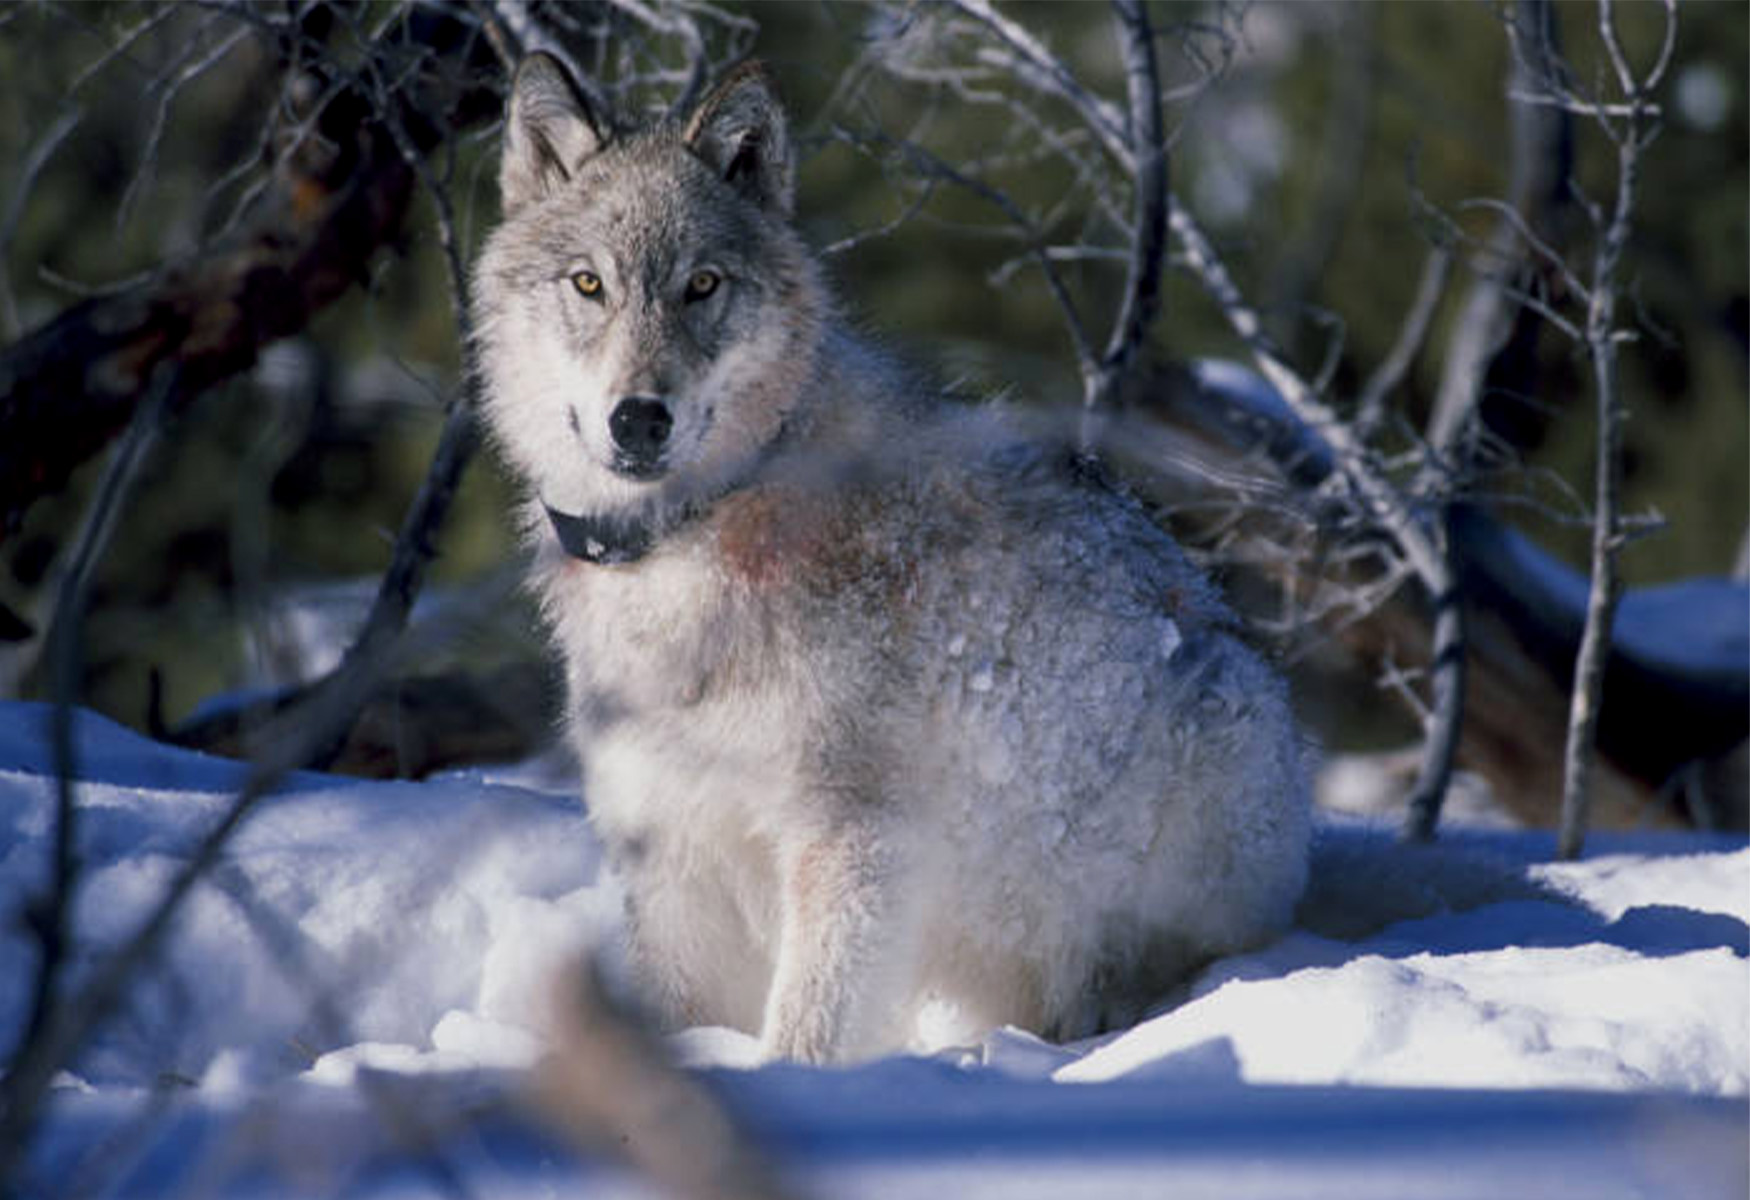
{"type": "Point", "coordinates": [67, 388]}
{"type": "Point", "coordinates": [50, 915]}
{"type": "Point", "coordinates": [202, 323]}
{"type": "Point", "coordinates": [1148, 234]}
{"type": "Point", "coordinates": [75, 1019]}
{"type": "Point", "coordinates": [414, 548]}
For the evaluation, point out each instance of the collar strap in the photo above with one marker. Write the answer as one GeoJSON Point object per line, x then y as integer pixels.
{"type": "Point", "coordinates": [618, 539]}
{"type": "Point", "coordinates": [606, 540]}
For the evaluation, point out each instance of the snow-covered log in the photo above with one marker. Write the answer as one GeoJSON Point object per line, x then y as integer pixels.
{"type": "Point", "coordinates": [1676, 708]}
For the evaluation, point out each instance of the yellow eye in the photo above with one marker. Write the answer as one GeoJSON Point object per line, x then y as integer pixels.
{"type": "Point", "coordinates": [702, 284]}
{"type": "Point", "coordinates": [588, 283]}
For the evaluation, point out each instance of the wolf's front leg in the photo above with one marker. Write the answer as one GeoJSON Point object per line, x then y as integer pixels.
{"type": "Point", "coordinates": [844, 952]}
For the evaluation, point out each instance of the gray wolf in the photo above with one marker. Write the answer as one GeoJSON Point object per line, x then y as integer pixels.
{"type": "Point", "coordinates": [883, 708]}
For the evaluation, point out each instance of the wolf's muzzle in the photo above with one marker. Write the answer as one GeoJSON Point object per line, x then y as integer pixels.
{"type": "Point", "coordinates": [640, 427]}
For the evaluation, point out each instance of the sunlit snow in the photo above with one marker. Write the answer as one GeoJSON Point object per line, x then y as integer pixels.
{"type": "Point", "coordinates": [1523, 1028]}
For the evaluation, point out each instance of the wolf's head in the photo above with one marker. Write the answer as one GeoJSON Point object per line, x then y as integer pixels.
{"type": "Point", "coordinates": [647, 316]}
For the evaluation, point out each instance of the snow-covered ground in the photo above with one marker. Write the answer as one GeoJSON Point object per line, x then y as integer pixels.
{"type": "Point", "coordinates": [370, 954]}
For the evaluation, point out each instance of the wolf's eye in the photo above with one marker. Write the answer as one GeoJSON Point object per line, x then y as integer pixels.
{"type": "Point", "coordinates": [588, 283]}
{"type": "Point", "coordinates": [702, 283]}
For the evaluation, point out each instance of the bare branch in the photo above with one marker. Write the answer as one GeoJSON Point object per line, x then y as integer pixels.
{"type": "Point", "coordinates": [161, 115]}
{"type": "Point", "coordinates": [1602, 338]}
{"type": "Point", "coordinates": [35, 159]}
{"type": "Point", "coordinates": [51, 915]}
{"type": "Point", "coordinates": [898, 221]}
{"type": "Point", "coordinates": [66, 388]}
{"type": "Point", "coordinates": [1383, 504]}
{"type": "Point", "coordinates": [1049, 74]}
{"type": "Point", "coordinates": [1634, 90]}
{"type": "Point", "coordinates": [677, 24]}
{"type": "Point", "coordinates": [1537, 169]}
{"type": "Point", "coordinates": [531, 35]}
{"type": "Point", "coordinates": [289, 742]}
{"type": "Point", "coordinates": [1517, 223]}
{"type": "Point", "coordinates": [1430, 287]}
{"type": "Point", "coordinates": [1579, 107]}
{"type": "Point", "coordinates": [611, 1083]}
{"type": "Point", "coordinates": [1148, 231]}
{"type": "Point", "coordinates": [929, 165]}
{"type": "Point", "coordinates": [121, 47]}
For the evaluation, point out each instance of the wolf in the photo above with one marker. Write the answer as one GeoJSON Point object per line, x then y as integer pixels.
{"type": "Point", "coordinates": [885, 708]}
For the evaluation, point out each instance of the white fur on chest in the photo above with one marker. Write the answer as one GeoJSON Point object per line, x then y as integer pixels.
{"type": "Point", "coordinates": [676, 696]}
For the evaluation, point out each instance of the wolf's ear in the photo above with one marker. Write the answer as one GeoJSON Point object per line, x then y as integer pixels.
{"type": "Point", "coordinates": [742, 133]}
{"type": "Point", "coordinates": [548, 131]}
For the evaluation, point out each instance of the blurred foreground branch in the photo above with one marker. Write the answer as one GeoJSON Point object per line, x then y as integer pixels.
{"type": "Point", "coordinates": [610, 1086]}
{"type": "Point", "coordinates": [76, 1017]}
{"type": "Point", "coordinates": [50, 916]}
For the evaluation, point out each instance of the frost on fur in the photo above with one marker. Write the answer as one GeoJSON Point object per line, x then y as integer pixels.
{"type": "Point", "coordinates": [881, 705]}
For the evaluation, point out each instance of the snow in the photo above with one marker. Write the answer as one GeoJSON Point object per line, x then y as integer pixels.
{"type": "Point", "coordinates": [1464, 1021]}
{"type": "Point", "coordinates": [1697, 629]}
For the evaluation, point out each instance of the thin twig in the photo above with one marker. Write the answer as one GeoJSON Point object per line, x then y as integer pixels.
{"type": "Point", "coordinates": [69, 1023]}
{"type": "Point", "coordinates": [680, 26]}
{"type": "Point", "coordinates": [123, 45]}
{"type": "Point", "coordinates": [531, 36]}
{"type": "Point", "coordinates": [929, 165]}
{"type": "Point", "coordinates": [1141, 302]}
{"type": "Point", "coordinates": [1602, 338]}
{"type": "Point", "coordinates": [72, 1022]}
{"type": "Point", "coordinates": [1537, 167]}
{"type": "Point", "coordinates": [35, 159]}
{"type": "Point", "coordinates": [414, 545]}
{"type": "Point", "coordinates": [1430, 287]}
{"type": "Point", "coordinates": [1385, 507]}
{"type": "Point", "coordinates": [1050, 75]}
{"type": "Point", "coordinates": [1516, 222]}
{"type": "Point", "coordinates": [160, 117]}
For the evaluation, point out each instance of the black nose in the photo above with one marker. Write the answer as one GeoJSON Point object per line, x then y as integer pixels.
{"type": "Point", "coordinates": [640, 429]}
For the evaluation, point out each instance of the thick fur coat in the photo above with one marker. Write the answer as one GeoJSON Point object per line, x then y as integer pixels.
{"type": "Point", "coordinates": [879, 701]}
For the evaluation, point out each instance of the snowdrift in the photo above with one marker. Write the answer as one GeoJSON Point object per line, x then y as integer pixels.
{"type": "Point", "coordinates": [1465, 1021]}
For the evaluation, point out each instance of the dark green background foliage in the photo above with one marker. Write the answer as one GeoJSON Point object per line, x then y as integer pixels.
{"type": "Point", "coordinates": [263, 485]}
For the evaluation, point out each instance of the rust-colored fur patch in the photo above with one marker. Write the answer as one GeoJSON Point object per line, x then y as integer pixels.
{"type": "Point", "coordinates": [762, 538]}
{"type": "Point", "coordinates": [779, 536]}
